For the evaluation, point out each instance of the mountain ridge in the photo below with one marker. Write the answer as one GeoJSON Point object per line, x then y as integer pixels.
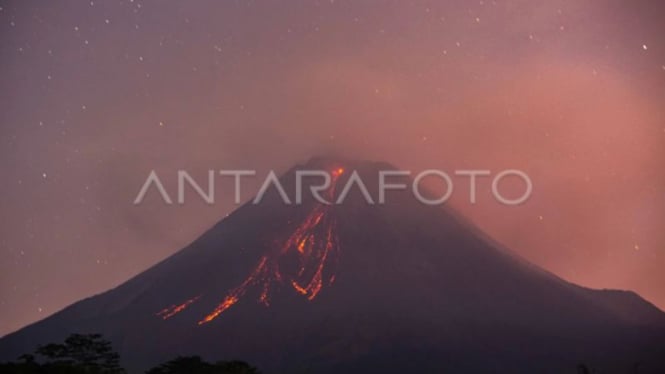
{"type": "Point", "coordinates": [409, 280]}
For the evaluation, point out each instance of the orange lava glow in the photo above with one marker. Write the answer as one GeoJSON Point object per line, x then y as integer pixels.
{"type": "Point", "coordinates": [172, 310]}
{"type": "Point", "coordinates": [313, 244]}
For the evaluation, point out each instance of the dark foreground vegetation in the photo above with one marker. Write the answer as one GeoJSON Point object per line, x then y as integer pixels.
{"type": "Point", "coordinates": [91, 354]}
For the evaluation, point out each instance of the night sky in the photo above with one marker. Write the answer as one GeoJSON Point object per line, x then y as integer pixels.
{"type": "Point", "coordinates": [95, 94]}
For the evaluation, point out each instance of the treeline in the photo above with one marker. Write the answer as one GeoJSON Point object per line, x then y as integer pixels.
{"type": "Point", "coordinates": [92, 354]}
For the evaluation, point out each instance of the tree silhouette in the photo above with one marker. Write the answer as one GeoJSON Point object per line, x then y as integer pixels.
{"type": "Point", "coordinates": [91, 354]}
{"type": "Point", "coordinates": [88, 352]}
{"type": "Point", "coordinates": [235, 367]}
{"type": "Point", "coordinates": [80, 353]}
{"type": "Point", "coordinates": [194, 364]}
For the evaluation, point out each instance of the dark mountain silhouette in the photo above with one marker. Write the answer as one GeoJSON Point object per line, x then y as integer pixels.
{"type": "Point", "coordinates": [359, 288]}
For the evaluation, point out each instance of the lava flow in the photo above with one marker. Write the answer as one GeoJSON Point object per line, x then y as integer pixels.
{"type": "Point", "coordinates": [172, 310]}
{"type": "Point", "coordinates": [314, 246]}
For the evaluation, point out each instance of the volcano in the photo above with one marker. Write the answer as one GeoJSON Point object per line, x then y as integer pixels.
{"type": "Point", "coordinates": [400, 287]}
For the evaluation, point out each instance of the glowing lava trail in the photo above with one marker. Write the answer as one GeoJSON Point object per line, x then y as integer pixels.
{"type": "Point", "coordinates": [313, 245]}
{"type": "Point", "coordinates": [172, 310]}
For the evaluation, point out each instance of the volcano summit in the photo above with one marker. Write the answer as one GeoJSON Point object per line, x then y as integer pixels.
{"type": "Point", "coordinates": [360, 288]}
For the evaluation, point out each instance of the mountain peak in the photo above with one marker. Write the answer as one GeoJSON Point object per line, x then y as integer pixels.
{"type": "Point", "coordinates": [357, 288]}
{"type": "Point", "coordinates": [326, 162]}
